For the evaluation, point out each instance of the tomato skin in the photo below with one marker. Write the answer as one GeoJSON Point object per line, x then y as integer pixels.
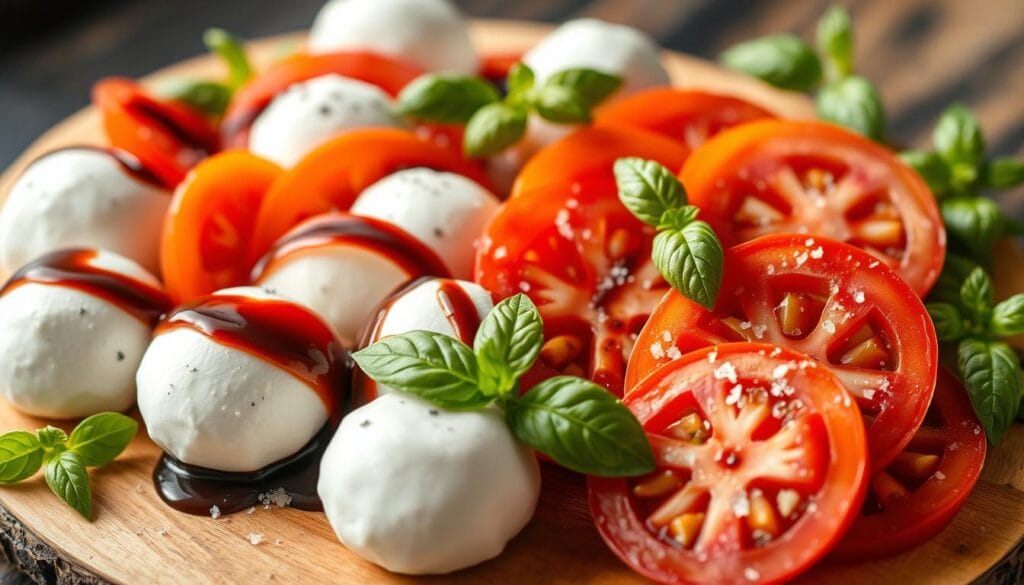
{"type": "Point", "coordinates": [209, 225]}
{"type": "Point", "coordinates": [687, 116]}
{"type": "Point", "coordinates": [833, 438]}
{"type": "Point", "coordinates": [930, 507]}
{"type": "Point", "coordinates": [496, 66]}
{"type": "Point", "coordinates": [745, 160]}
{"type": "Point", "coordinates": [588, 154]}
{"type": "Point", "coordinates": [333, 175]}
{"type": "Point", "coordinates": [388, 73]}
{"type": "Point", "coordinates": [167, 137]}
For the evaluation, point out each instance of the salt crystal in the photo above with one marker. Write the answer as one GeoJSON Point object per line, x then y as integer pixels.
{"type": "Point", "coordinates": [734, 395]}
{"type": "Point", "coordinates": [251, 510]}
{"type": "Point", "coordinates": [726, 371]}
{"type": "Point", "coordinates": [873, 264]}
{"type": "Point", "coordinates": [712, 356]}
{"type": "Point", "coordinates": [809, 242]}
{"type": "Point", "coordinates": [673, 353]}
{"type": "Point", "coordinates": [277, 497]}
{"type": "Point", "coordinates": [780, 371]}
{"type": "Point", "coordinates": [741, 505]}
{"type": "Point", "coordinates": [940, 476]}
{"type": "Point", "coordinates": [657, 351]}
{"type": "Point", "coordinates": [771, 269]}
{"type": "Point", "coordinates": [214, 512]}
{"type": "Point", "coordinates": [751, 574]}
{"type": "Point", "coordinates": [254, 538]}
{"type": "Point", "coordinates": [666, 336]}
{"type": "Point", "coordinates": [817, 253]}
{"type": "Point", "coordinates": [759, 330]}
{"type": "Point", "coordinates": [801, 259]}
{"type": "Point", "coordinates": [829, 326]}
{"type": "Point", "coordinates": [858, 296]}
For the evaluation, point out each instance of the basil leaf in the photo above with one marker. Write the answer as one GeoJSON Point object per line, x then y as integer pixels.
{"type": "Point", "coordinates": [21, 455]}
{"type": "Point", "coordinates": [430, 365]}
{"type": "Point", "coordinates": [447, 99]}
{"type": "Point", "coordinates": [494, 128]}
{"type": "Point", "coordinates": [100, 438]}
{"type": "Point", "coordinates": [507, 343]}
{"type": "Point", "coordinates": [976, 295]}
{"type": "Point", "coordinates": [561, 105]}
{"type": "Point", "coordinates": [647, 189]}
{"type": "Point", "coordinates": [50, 437]}
{"type": "Point", "coordinates": [232, 51]}
{"type": "Point", "coordinates": [592, 86]}
{"type": "Point", "coordinates": [991, 373]}
{"type": "Point", "coordinates": [958, 138]}
{"type": "Point", "coordinates": [677, 219]}
{"type": "Point", "coordinates": [1008, 317]}
{"type": "Point", "coordinates": [208, 97]}
{"type": "Point", "coordinates": [835, 41]}
{"type": "Point", "coordinates": [954, 272]}
{"type": "Point", "coordinates": [691, 259]}
{"type": "Point", "coordinates": [520, 79]}
{"type": "Point", "coordinates": [67, 477]}
{"type": "Point", "coordinates": [1003, 173]}
{"type": "Point", "coordinates": [781, 60]}
{"type": "Point", "coordinates": [949, 324]}
{"type": "Point", "coordinates": [582, 427]}
{"type": "Point", "coordinates": [853, 102]}
{"type": "Point", "coordinates": [976, 222]}
{"type": "Point", "coordinates": [932, 169]}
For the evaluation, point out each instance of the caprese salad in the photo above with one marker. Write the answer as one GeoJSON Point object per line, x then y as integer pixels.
{"type": "Point", "coordinates": [381, 275]}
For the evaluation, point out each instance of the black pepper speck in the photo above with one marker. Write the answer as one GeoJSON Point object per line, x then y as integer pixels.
{"type": "Point", "coordinates": [81, 311]}
{"type": "Point", "coordinates": [120, 356]}
{"type": "Point", "coordinates": [365, 423]}
{"type": "Point", "coordinates": [433, 412]}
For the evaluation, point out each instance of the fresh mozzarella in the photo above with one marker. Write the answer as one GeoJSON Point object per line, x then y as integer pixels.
{"type": "Point", "coordinates": [420, 490]}
{"type": "Point", "coordinates": [81, 197]}
{"type": "Point", "coordinates": [310, 113]}
{"type": "Point", "coordinates": [429, 33]}
{"type": "Point", "coordinates": [445, 211]}
{"type": "Point", "coordinates": [69, 353]}
{"type": "Point", "coordinates": [216, 406]}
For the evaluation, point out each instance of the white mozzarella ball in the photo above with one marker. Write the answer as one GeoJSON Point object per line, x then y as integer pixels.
{"type": "Point", "coordinates": [445, 211]}
{"type": "Point", "coordinates": [81, 197]}
{"type": "Point", "coordinates": [312, 112]}
{"type": "Point", "coordinates": [430, 33]}
{"type": "Point", "coordinates": [420, 490]}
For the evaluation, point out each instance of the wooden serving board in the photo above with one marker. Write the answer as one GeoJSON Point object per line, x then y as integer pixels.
{"type": "Point", "coordinates": [135, 538]}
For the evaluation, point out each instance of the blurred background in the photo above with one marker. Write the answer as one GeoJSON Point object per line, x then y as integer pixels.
{"type": "Point", "coordinates": [922, 54]}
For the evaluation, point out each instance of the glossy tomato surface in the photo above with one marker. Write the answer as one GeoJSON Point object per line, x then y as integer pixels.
{"type": "Point", "coordinates": [918, 494]}
{"type": "Point", "coordinates": [777, 176]}
{"type": "Point", "coordinates": [585, 261]}
{"type": "Point", "coordinates": [761, 466]}
{"type": "Point", "coordinates": [822, 298]}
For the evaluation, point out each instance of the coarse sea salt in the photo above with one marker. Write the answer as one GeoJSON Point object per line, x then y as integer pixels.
{"type": "Point", "coordinates": [254, 538]}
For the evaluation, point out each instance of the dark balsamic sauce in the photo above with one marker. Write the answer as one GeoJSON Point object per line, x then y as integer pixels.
{"type": "Point", "coordinates": [73, 268]}
{"type": "Point", "coordinates": [460, 311]}
{"type": "Point", "coordinates": [152, 111]}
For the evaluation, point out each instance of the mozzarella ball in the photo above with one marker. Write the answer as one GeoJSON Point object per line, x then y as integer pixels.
{"type": "Point", "coordinates": [82, 197]}
{"type": "Point", "coordinates": [69, 352]}
{"type": "Point", "coordinates": [430, 33]}
{"type": "Point", "coordinates": [309, 113]}
{"type": "Point", "coordinates": [213, 405]}
{"type": "Point", "coordinates": [420, 490]}
{"type": "Point", "coordinates": [445, 211]}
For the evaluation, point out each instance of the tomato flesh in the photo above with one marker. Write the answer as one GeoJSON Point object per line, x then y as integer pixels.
{"type": "Point", "coordinates": [761, 464]}
{"type": "Point", "coordinates": [822, 298]}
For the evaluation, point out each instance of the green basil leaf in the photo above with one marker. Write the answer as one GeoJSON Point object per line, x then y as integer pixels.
{"type": "Point", "coordinates": [520, 79]}
{"type": "Point", "coordinates": [494, 128]}
{"type": "Point", "coordinates": [68, 478]}
{"type": "Point", "coordinates": [21, 455]}
{"type": "Point", "coordinates": [949, 324]}
{"type": "Point", "coordinates": [835, 41]}
{"type": "Point", "coordinates": [691, 260]}
{"type": "Point", "coordinates": [954, 272]}
{"type": "Point", "coordinates": [582, 427]}
{"type": "Point", "coordinates": [561, 105]}
{"type": "Point", "coordinates": [1008, 316]}
{"type": "Point", "coordinates": [232, 51]}
{"type": "Point", "coordinates": [781, 60]}
{"type": "Point", "coordinates": [430, 365]}
{"type": "Point", "coordinates": [100, 438]}
{"type": "Point", "coordinates": [677, 219]}
{"type": "Point", "coordinates": [647, 189]}
{"type": "Point", "coordinates": [208, 97]}
{"type": "Point", "coordinates": [854, 103]}
{"type": "Point", "coordinates": [991, 372]}
{"type": "Point", "coordinates": [932, 169]}
{"type": "Point", "coordinates": [50, 437]}
{"type": "Point", "coordinates": [958, 138]}
{"type": "Point", "coordinates": [592, 86]}
{"type": "Point", "coordinates": [976, 222]}
{"type": "Point", "coordinates": [447, 99]}
{"type": "Point", "coordinates": [507, 343]}
{"type": "Point", "coordinates": [1004, 173]}
{"type": "Point", "coordinates": [976, 296]}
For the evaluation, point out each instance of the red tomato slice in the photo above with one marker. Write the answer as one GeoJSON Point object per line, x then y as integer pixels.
{"type": "Point", "coordinates": [209, 226]}
{"type": "Point", "coordinates": [829, 300]}
{"type": "Point", "coordinates": [918, 494]}
{"type": "Point", "coordinates": [585, 261]}
{"type": "Point", "coordinates": [761, 466]}
{"type": "Point", "coordinates": [333, 175]}
{"type": "Point", "coordinates": [495, 67]}
{"type": "Point", "coordinates": [388, 73]}
{"type": "Point", "coordinates": [167, 137]}
{"type": "Point", "coordinates": [688, 116]}
{"type": "Point", "coordinates": [589, 153]}
{"type": "Point", "coordinates": [779, 176]}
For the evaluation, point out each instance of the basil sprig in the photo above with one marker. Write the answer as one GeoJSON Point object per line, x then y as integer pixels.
{"type": "Point", "coordinates": [494, 123]}
{"type": "Point", "coordinates": [208, 96]}
{"type": "Point", "coordinates": [95, 442]}
{"type": "Point", "coordinates": [574, 421]}
{"type": "Point", "coordinates": [686, 250]}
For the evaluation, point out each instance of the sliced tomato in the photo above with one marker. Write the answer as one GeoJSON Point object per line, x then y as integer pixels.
{"type": "Point", "coordinates": [685, 115]}
{"type": "Point", "coordinates": [167, 137]}
{"type": "Point", "coordinates": [209, 226]}
{"type": "Point", "coordinates": [918, 494]}
{"type": "Point", "coordinates": [823, 298]}
{"type": "Point", "coordinates": [814, 178]}
{"type": "Point", "coordinates": [333, 175]}
{"type": "Point", "coordinates": [761, 466]}
{"type": "Point", "coordinates": [585, 261]}
{"type": "Point", "coordinates": [589, 153]}
{"type": "Point", "coordinates": [387, 73]}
